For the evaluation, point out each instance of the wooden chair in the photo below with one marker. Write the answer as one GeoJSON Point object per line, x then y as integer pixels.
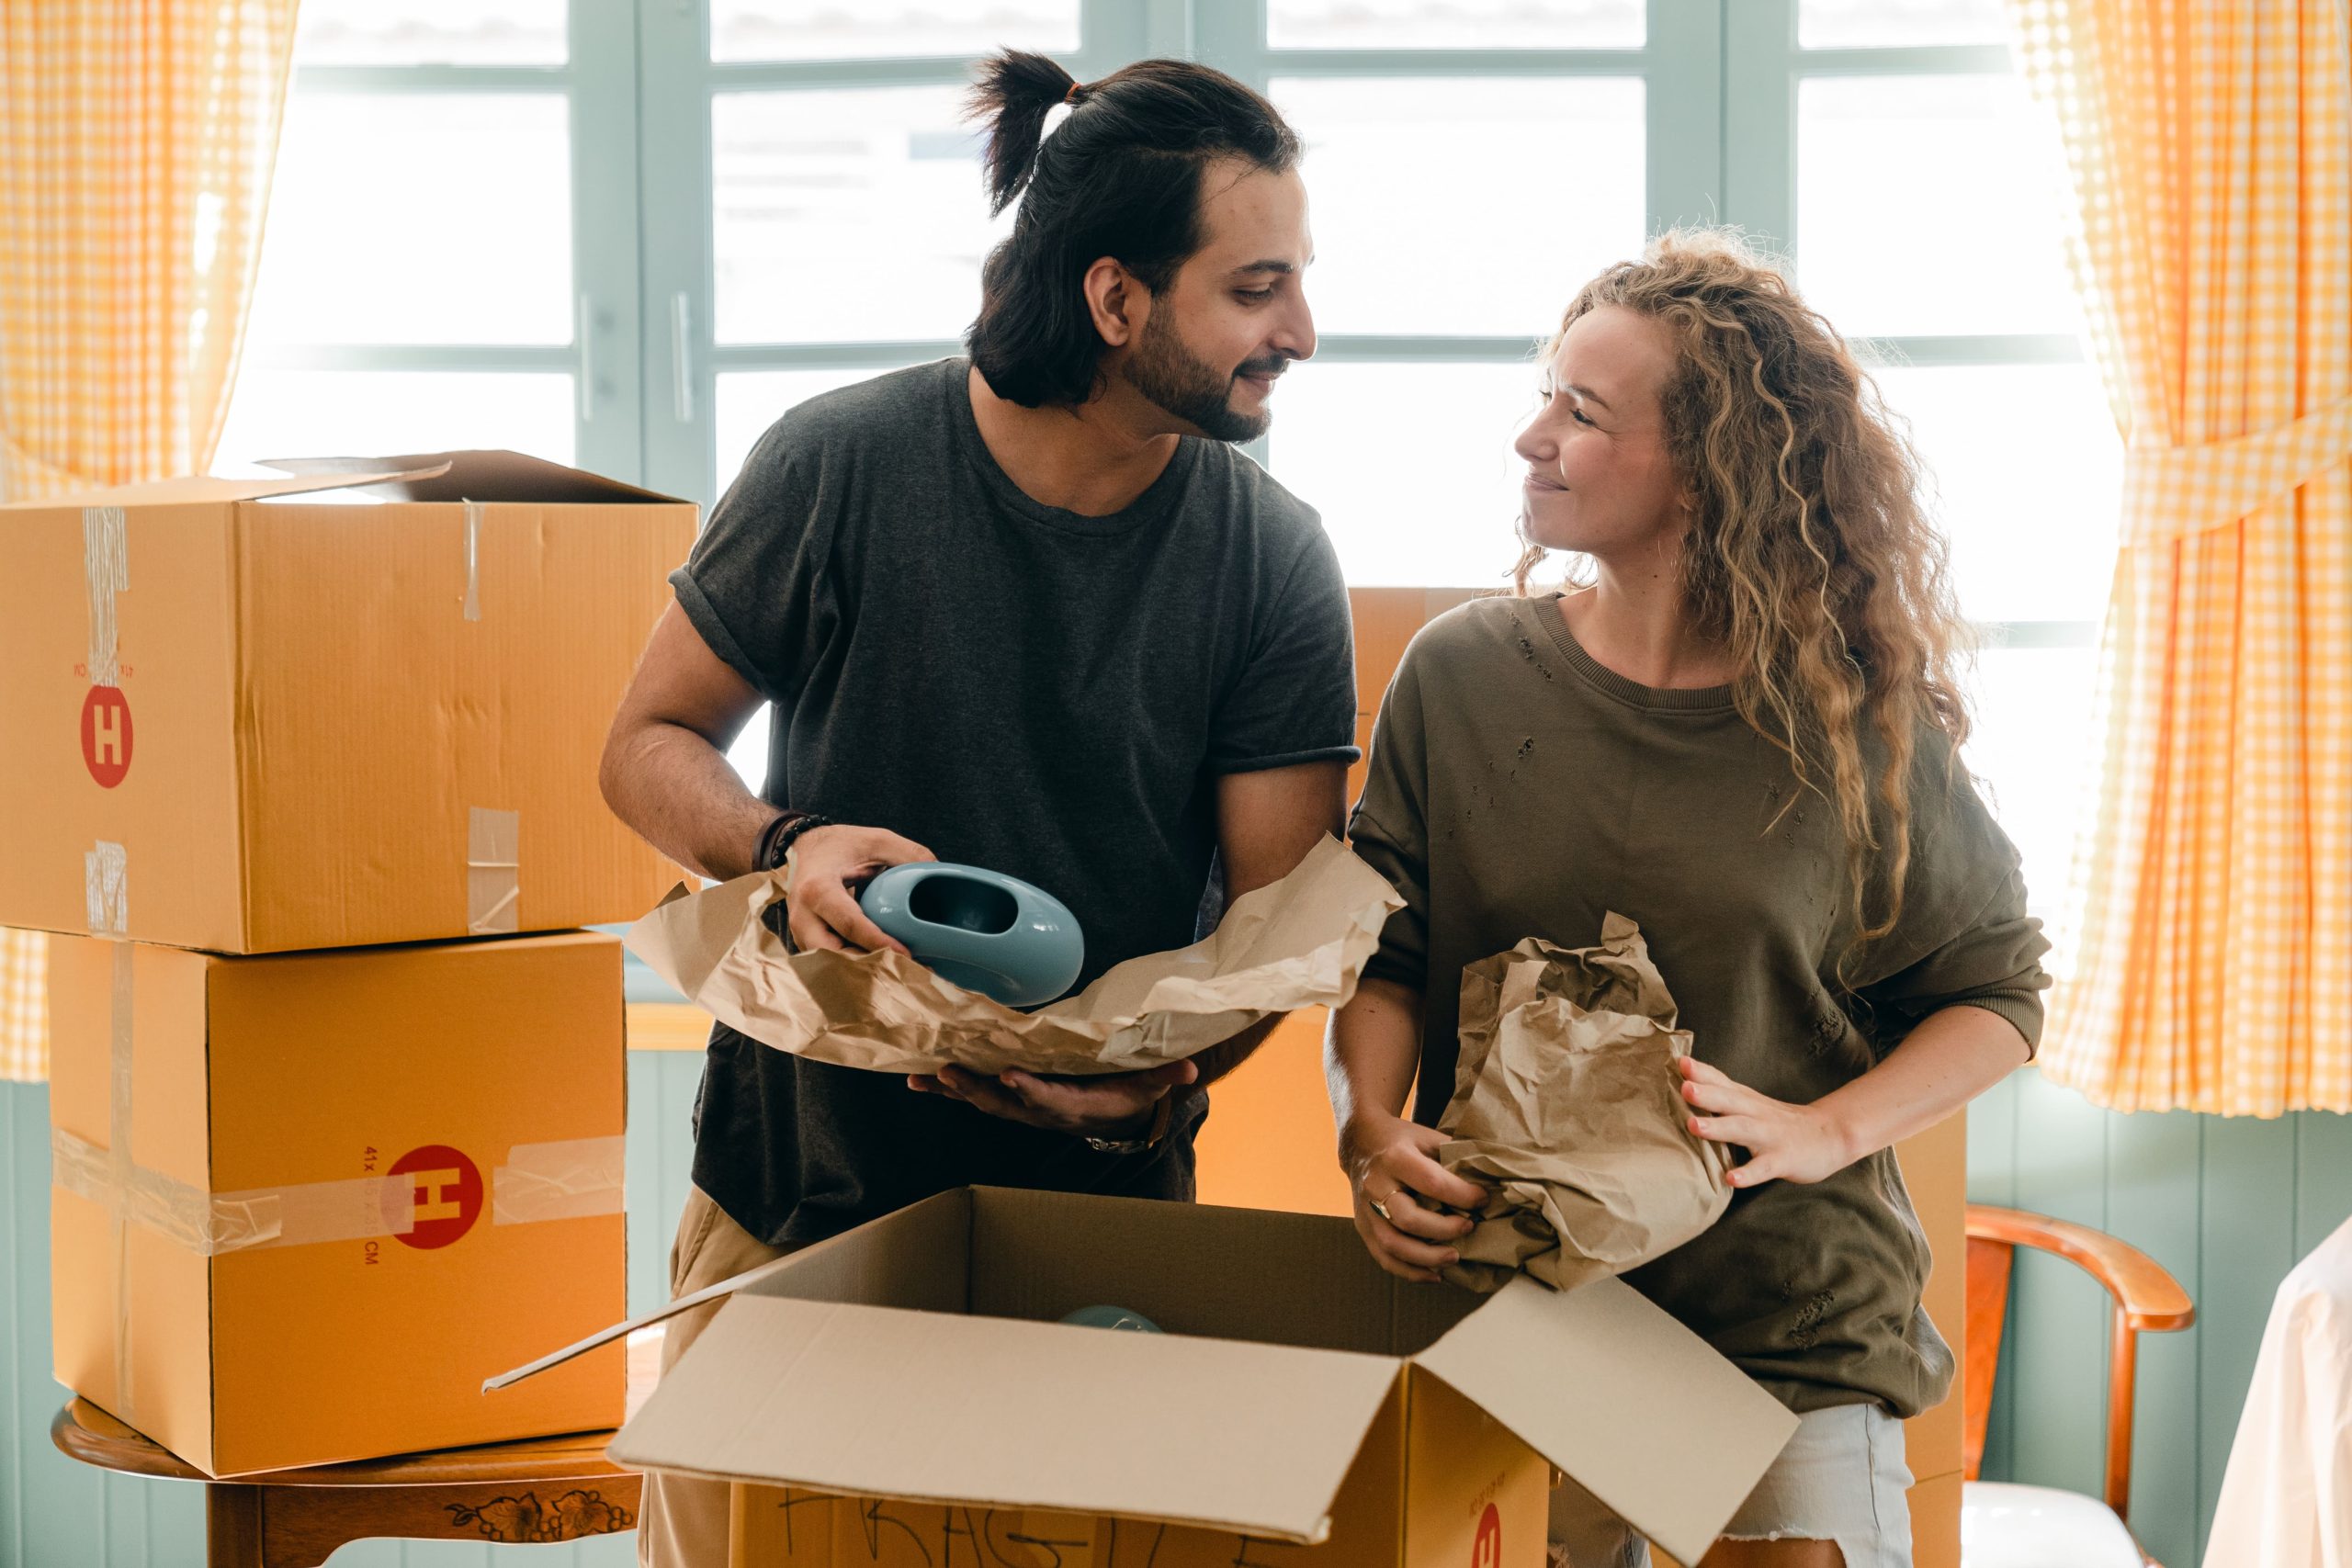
{"type": "Point", "coordinates": [2005, 1526]}
{"type": "Point", "coordinates": [544, 1489]}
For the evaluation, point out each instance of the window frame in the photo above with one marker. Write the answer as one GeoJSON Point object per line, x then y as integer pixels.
{"type": "Point", "coordinates": [1765, 67]}
{"type": "Point", "coordinates": [598, 82]}
{"type": "Point", "coordinates": [1722, 79]}
{"type": "Point", "coordinates": [1720, 84]}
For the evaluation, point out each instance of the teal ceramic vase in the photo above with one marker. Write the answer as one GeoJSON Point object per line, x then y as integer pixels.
{"type": "Point", "coordinates": [980, 928]}
{"type": "Point", "coordinates": [1113, 1317]}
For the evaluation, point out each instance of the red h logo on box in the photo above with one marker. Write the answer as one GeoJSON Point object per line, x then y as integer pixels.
{"type": "Point", "coordinates": [443, 1189]}
{"type": "Point", "coordinates": [106, 735]}
{"type": "Point", "coordinates": [1487, 1552]}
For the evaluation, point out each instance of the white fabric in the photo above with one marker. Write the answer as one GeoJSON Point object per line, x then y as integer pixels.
{"type": "Point", "coordinates": [2287, 1499]}
{"type": "Point", "coordinates": [2005, 1526]}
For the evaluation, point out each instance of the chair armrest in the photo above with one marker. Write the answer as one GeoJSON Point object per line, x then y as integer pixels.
{"type": "Point", "coordinates": [2151, 1299]}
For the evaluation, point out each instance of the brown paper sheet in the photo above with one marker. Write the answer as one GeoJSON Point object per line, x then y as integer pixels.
{"type": "Point", "coordinates": [1297, 942]}
{"type": "Point", "coordinates": [1567, 1106]}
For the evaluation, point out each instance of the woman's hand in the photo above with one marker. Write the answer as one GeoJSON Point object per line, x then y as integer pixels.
{"type": "Point", "coordinates": [1392, 1164]}
{"type": "Point", "coordinates": [1784, 1141]}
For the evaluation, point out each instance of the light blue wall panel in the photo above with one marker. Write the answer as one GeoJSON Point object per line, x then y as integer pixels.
{"type": "Point", "coordinates": [2153, 1197]}
{"type": "Point", "coordinates": [2226, 1204]}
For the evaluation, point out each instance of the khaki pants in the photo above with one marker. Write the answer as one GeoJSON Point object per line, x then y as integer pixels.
{"type": "Point", "coordinates": [682, 1522]}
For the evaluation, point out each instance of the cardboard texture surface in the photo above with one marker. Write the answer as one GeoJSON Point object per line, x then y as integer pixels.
{"type": "Point", "coordinates": [252, 720]}
{"type": "Point", "coordinates": [303, 1202]}
{"type": "Point", "coordinates": [989, 1409]}
{"type": "Point", "coordinates": [1934, 1163]}
{"type": "Point", "coordinates": [787, 1528]}
{"type": "Point", "coordinates": [1567, 1109]}
{"type": "Point", "coordinates": [1257, 1419]}
{"type": "Point", "coordinates": [1297, 942]}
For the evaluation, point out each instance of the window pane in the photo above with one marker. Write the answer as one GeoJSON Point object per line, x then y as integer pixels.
{"type": "Point", "coordinates": [749, 752]}
{"type": "Point", "coordinates": [375, 414]}
{"type": "Point", "coordinates": [1410, 466]}
{"type": "Point", "coordinates": [419, 218]}
{"type": "Point", "coordinates": [2028, 472]}
{"type": "Point", "coordinates": [431, 32]}
{"type": "Point", "coordinates": [1895, 24]}
{"type": "Point", "coordinates": [839, 29]}
{"type": "Point", "coordinates": [2030, 751]}
{"type": "Point", "coordinates": [1495, 240]}
{"type": "Point", "coordinates": [1455, 24]}
{"type": "Point", "coordinates": [840, 215]}
{"type": "Point", "coordinates": [751, 400]}
{"type": "Point", "coordinates": [1930, 205]}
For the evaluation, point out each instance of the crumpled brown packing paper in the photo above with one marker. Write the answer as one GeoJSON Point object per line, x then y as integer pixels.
{"type": "Point", "coordinates": [1297, 942]}
{"type": "Point", "coordinates": [1567, 1107]}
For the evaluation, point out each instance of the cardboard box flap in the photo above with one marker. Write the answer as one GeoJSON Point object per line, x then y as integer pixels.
{"type": "Point", "coordinates": [930, 1407]}
{"type": "Point", "coordinates": [212, 489]}
{"type": "Point", "coordinates": [1685, 1437]}
{"type": "Point", "coordinates": [481, 475]}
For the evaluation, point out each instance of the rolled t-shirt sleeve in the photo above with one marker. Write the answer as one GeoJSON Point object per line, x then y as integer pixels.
{"type": "Point", "coordinates": [755, 586]}
{"type": "Point", "coordinates": [1962, 937]}
{"type": "Point", "coordinates": [1388, 830]}
{"type": "Point", "coordinates": [1295, 698]}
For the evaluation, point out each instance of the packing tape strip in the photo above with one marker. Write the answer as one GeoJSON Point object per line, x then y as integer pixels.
{"type": "Point", "coordinates": [493, 871]}
{"type": "Point", "coordinates": [106, 888]}
{"type": "Point", "coordinates": [473, 560]}
{"type": "Point", "coordinates": [211, 1225]}
{"type": "Point", "coordinates": [105, 566]}
{"type": "Point", "coordinates": [119, 1171]}
{"type": "Point", "coordinates": [566, 1180]}
{"type": "Point", "coordinates": [573, 1178]}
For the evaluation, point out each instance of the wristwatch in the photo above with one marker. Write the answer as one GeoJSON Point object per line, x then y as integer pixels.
{"type": "Point", "coordinates": [1160, 1120]}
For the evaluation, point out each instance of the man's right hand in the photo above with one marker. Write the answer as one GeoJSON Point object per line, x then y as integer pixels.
{"type": "Point", "coordinates": [829, 864]}
{"type": "Point", "coordinates": [1392, 1164]}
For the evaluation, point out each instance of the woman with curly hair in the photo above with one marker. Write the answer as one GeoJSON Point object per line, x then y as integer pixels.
{"type": "Point", "coordinates": [1740, 727]}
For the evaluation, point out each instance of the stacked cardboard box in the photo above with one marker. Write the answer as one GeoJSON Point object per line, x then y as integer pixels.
{"type": "Point", "coordinates": [310, 1187]}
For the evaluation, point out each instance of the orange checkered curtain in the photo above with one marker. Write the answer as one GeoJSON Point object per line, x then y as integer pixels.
{"type": "Point", "coordinates": [136, 141]}
{"type": "Point", "coordinates": [2210, 923]}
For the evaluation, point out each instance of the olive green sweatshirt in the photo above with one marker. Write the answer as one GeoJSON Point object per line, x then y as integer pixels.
{"type": "Point", "coordinates": [1517, 788]}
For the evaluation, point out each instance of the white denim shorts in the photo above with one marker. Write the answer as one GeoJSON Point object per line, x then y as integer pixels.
{"type": "Point", "coordinates": [1841, 1478]}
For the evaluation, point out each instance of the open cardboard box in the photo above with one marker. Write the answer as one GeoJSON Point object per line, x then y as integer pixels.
{"type": "Point", "coordinates": [245, 716]}
{"type": "Point", "coordinates": [905, 1391]}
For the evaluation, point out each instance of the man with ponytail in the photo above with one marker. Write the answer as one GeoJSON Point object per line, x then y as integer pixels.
{"type": "Point", "coordinates": [1026, 609]}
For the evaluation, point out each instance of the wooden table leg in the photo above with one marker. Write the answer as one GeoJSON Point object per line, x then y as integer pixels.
{"type": "Point", "coordinates": [231, 1526]}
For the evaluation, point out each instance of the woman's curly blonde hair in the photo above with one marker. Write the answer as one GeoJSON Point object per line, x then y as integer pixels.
{"type": "Point", "coordinates": [1809, 556]}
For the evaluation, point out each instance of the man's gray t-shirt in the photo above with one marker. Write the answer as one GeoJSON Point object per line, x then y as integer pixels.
{"type": "Point", "coordinates": [1010, 686]}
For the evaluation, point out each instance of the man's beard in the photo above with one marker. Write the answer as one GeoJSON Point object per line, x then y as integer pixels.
{"type": "Point", "coordinates": [1188, 387]}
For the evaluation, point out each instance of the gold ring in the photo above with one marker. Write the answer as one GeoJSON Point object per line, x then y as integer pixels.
{"type": "Point", "coordinates": [1380, 1207]}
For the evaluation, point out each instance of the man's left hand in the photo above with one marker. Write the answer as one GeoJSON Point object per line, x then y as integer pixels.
{"type": "Point", "coordinates": [1113, 1105]}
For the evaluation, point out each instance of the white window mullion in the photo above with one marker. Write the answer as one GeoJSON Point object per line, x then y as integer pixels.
{"type": "Point", "coordinates": [1759, 182]}
{"type": "Point", "coordinates": [674, 374]}
{"type": "Point", "coordinates": [605, 226]}
{"type": "Point", "coordinates": [1684, 113]}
